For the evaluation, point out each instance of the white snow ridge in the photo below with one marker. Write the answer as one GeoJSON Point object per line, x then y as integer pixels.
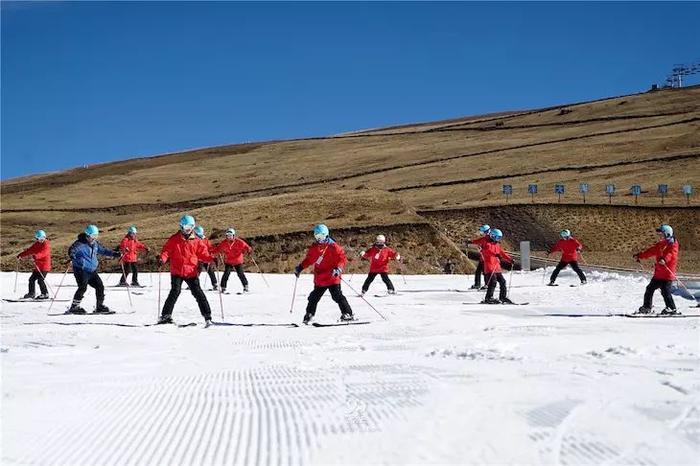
{"type": "Point", "coordinates": [563, 380]}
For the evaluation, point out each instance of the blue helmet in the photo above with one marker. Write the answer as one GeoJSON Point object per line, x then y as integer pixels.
{"type": "Point", "coordinates": [321, 232]}
{"type": "Point", "coordinates": [92, 231]}
{"type": "Point", "coordinates": [187, 222]}
{"type": "Point", "coordinates": [565, 234]}
{"type": "Point", "coordinates": [666, 230]}
{"type": "Point", "coordinates": [484, 228]}
{"type": "Point", "coordinates": [496, 234]}
{"type": "Point", "coordinates": [132, 229]}
{"type": "Point", "coordinates": [231, 232]}
{"type": "Point", "coordinates": [199, 231]}
{"type": "Point", "coordinates": [40, 234]}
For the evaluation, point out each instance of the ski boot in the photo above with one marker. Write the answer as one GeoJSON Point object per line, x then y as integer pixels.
{"type": "Point", "coordinates": [208, 323]}
{"type": "Point", "coordinates": [245, 289]}
{"type": "Point", "coordinates": [165, 320]}
{"type": "Point", "coordinates": [583, 282]}
{"type": "Point", "coordinates": [391, 291]}
{"type": "Point", "coordinates": [214, 288]}
{"type": "Point", "coordinates": [506, 301]}
{"type": "Point", "coordinates": [76, 309]}
{"type": "Point", "coordinates": [484, 287]}
{"type": "Point", "coordinates": [121, 283]}
{"type": "Point", "coordinates": [28, 296]}
{"type": "Point", "coordinates": [362, 293]}
{"type": "Point", "coordinates": [670, 312]}
{"type": "Point", "coordinates": [43, 296]}
{"type": "Point", "coordinates": [307, 318]}
{"type": "Point", "coordinates": [551, 284]}
{"type": "Point", "coordinates": [475, 287]}
{"type": "Point", "coordinates": [490, 301]}
{"type": "Point", "coordinates": [101, 309]}
{"type": "Point", "coordinates": [222, 290]}
{"type": "Point", "coordinates": [136, 284]}
{"type": "Point", "coordinates": [347, 317]}
{"type": "Point", "coordinates": [644, 310]}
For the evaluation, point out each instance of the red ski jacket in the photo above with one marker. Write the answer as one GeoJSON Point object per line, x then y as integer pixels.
{"type": "Point", "coordinates": [325, 257]}
{"type": "Point", "coordinates": [210, 247]}
{"type": "Point", "coordinates": [41, 252]}
{"type": "Point", "coordinates": [233, 250]}
{"type": "Point", "coordinates": [184, 253]}
{"type": "Point", "coordinates": [668, 251]}
{"type": "Point", "coordinates": [492, 254]}
{"type": "Point", "coordinates": [569, 249]}
{"type": "Point", "coordinates": [480, 241]}
{"type": "Point", "coordinates": [379, 258]}
{"type": "Point", "coordinates": [129, 247]}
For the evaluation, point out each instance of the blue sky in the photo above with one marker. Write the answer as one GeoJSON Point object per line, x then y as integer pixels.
{"type": "Point", "coordinates": [91, 82]}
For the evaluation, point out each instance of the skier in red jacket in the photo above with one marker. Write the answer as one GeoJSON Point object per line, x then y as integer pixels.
{"type": "Point", "coordinates": [379, 256]}
{"type": "Point", "coordinates": [199, 231]}
{"type": "Point", "coordinates": [40, 252]}
{"type": "Point", "coordinates": [233, 248]}
{"type": "Point", "coordinates": [479, 241]}
{"type": "Point", "coordinates": [492, 254]}
{"type": "Point", "coordinates": [129, 247]}
{"type": "Point", "coordinates": [184, 251]}
{"type": "Point", "coordinates": [569, 247]}
{"type": "Point", "coordinates": [665, 251]}
{"type": "Point", "coordinates": [328, 259]}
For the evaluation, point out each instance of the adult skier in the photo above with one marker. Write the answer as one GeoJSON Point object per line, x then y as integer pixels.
{"type": "Point", "coordinates": [570, 247]}
{"type": "Point", "coordinates": [206, 266]}
{"type": "Point", "coordinates": [478, 242]}
{"type": "Point", "coordinates": [665, 251]}
{"type": "Point", "coordinates": [493, 254]}
{"type": "Point", "coordinates": [233, 248]}
{"type": "Point", "coordinates": [328, 259]}
{"type": "Point", "coordinates": [40, 253]}
{"type": "Point", "coordinates": [129, 247]}
{"type": "Point", "coordinates": [379, 256]}
{"type": "Point", "coordinates": [83, 253]}
{"type": "Point", "coordinates": [184, 251]}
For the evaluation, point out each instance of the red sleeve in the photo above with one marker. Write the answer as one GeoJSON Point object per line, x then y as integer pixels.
{"type": "Point", "coordinates": [670, 251]}
{"type": "Point", "coordinates": [246, 246]}
{"type": "Point", "coordinates": [578, 244]}
{"type": "Point", "coordinates": [504, 255]}
{"type": "Point", "coordinates": [651, 252]}
{"type": "Point", "coordinates": [308, 260]}
{"type": "Point", "coordinates": [342, 258]}
{"type": "Point", "coordinates": [165, 251]}
{"type": "Point", "coordinates": [392, 254]}
{"type": "Point", "coordinates": [122, 245]}
{"type": "Point", "coordinates": [43, 251]}
{"type": "Point", "coordinates": [203, 252]}
{"type": "Point", "coordinates": [368, 253]}
{"type": "Point", "coordinates": [31, 250]}
{"type": "Point", "coordinates": [140, 245]}
{"type": "Point", "coordinates": [556, 247]}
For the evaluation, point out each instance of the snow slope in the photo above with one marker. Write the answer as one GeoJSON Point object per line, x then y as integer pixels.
{"type": "Point", "coordinates": [555, 382]}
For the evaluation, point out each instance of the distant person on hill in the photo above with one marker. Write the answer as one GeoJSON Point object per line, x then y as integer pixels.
{"type": "Point", "coordinates": [493, 254]}
{"type": "Point", "coordinates": [184, 251]}
{"type": "Point", "coordinates": [129, 247]}
{"type": "Point", "coordinates": [83, 254]}
{"type": "Point", "coordinates": [479, 242]}
{"type": "Point", "coordinates": [328, 259]}
{"type": "Point", "coordinates": [199, 231]}
{"type": "Point", "coordinates": [665, 251]}
{"type": "Point", "coordinates": [379, 256]}
{"type": "Point", "coordinates": [40, 253]}
{"type": "Point", "coordinates": [570, 248]}
{"type": "Point", "coordinates": [233, 248]}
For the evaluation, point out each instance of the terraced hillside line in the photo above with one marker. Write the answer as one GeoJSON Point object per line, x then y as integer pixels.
{"type": "Point", "coordinates": [547, 170]}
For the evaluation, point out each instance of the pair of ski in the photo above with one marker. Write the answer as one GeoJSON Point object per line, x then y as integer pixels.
{"type": "Point", "coordinates": [291, 325]}
{"type": "Point", "coordinates": [90, 313]}
{"type": "Point", "coordinates": [34, 300]}
{"type": "Point", "coordinates": [498, 304]}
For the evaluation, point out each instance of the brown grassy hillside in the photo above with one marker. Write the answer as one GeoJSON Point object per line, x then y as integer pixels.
{"type": "Point", "coordinates": [379, 178]}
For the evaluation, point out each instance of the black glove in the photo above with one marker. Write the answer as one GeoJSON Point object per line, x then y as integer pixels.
{"type": "Point", "coordinates": [297, 271]}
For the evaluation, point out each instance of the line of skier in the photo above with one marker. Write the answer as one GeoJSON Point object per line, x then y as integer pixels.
{"type": "Point", "coordinates": [189, 252]}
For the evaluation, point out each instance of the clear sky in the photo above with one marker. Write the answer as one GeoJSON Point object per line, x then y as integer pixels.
{"type": "Point", "coordinates": [92, 82]}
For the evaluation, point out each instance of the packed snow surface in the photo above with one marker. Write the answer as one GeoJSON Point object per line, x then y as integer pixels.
{"type": "Point", "coordinates": [558, 381]}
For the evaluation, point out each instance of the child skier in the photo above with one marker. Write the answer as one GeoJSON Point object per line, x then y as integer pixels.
{"type": "Point", "coordinates": [40, 252]}
{"type": "Point", "coordinates": [83, 254]}
{"type": "Point", "coordinates": [665, 251]}
{"type": "Point", "coordinates": [184, 251]}
{"type": "Point", "coordinates": [379, 256]}
{"type": "Point", "coordinates": [328, 259]}
{"type": "Point", "coordinates": [492, 254]}
{"type": "Point", "coordinates": [479, 241]}
{"type": "Point", "coordinates": [233, 248]}
{"type": "Point", "coordinates": [129, 247]}
{"type": "Point", "coordinates": [570, 248]}
{"type": "Point", "coordinates": [199, 231]}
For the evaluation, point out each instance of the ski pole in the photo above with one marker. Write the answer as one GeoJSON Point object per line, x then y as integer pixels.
{"type": "Point", "coordinates": [510, 279]}
{"type": "Point", "coordinates": [59, 287]}
{"type": "Point", "coordinates": [294, 294]}
{"type": "Point", "coordinates": [401, 271]}
{"type": "Point", "coordinates": [206, 275]}
{"type": "Point", "coordinates": [128, 288]}
{"type": "Point", "coordinates": [221, 295]}
{"type": "Point", "coordinates": [259, 271]}
{"type": "Point", "coordinates": [678, 279]}
{"type": "Point", "coordinates": [363, 298]}
{"type": "Point", "coordinates": [16, 273]}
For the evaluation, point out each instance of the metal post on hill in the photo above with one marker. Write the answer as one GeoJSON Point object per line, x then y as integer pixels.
{"type": "Point", "coordinates": [687, 191]}
{"type": "Point", "coordinates": [583, 189]}
{"type": "Point", "coordinates": [532, 190]}
{"type": "Point", "coordinates": [508, 191]}
{"type": "Point", "coordinates": [636, 191]}
{"type": "Point", "coordinates": [559, 190]}
{"type": "Point", "coordinates": [16, 273]}
{"type": "Point", "coordinates": [610, 191]}
{"type": "Point", "coordinates": [662, 189]}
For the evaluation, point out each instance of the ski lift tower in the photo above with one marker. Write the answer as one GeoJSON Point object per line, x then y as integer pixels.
{"type": "Point", "coordinates": [679, 71]}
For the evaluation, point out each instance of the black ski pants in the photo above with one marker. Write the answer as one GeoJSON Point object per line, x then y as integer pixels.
{"type": "Point", "coordinates": [85, 278]}
{"type": "Point", "coordinates": [239, 272]}
{"type": "Point", "coordinates": [491, 279]}
{"type": "Point", "coordinates": [561, 265]}
{"type": "Point", "coordinates": [336, 294]}
{"type": "Point", "coordinates": [370, 278]}
{"type": "Point", "coordinates": [210, 271]}
{"type": "Point", "coordinates": [33, 278]}
{"type": "Point", "coordinates": [479, 272]}
{"type": "Point", "coordinates": [130, 267]}
{"type": "Point", "coordinates": [665, 286]}
{"type": "Point", "coordinates": [195, 289]}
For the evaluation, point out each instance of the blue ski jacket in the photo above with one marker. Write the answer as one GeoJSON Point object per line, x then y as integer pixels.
{"type": "Point", "coordinates": [84, 254]}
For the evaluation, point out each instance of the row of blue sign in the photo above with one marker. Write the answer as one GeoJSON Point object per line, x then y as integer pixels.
{"type": "Point", "coordinates": [635, 190]}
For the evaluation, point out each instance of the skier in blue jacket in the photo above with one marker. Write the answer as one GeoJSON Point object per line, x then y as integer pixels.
{"type": "Point", "coordinates": [83, 254]}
